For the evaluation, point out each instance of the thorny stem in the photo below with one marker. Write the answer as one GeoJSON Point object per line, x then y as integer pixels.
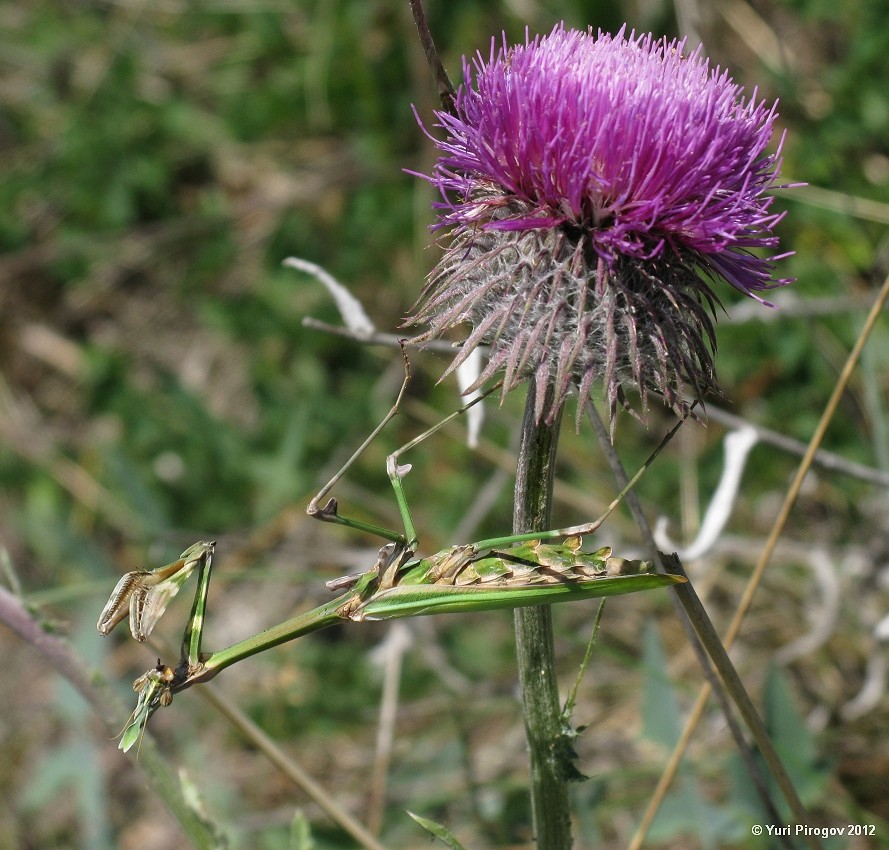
{"type": "Point", "coordinates": [548, 749]}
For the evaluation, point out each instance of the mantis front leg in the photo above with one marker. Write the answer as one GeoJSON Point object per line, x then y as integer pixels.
{"type": "Point", "coordinates": [145, 594]}
{"type": "Point", "coordinates": [190, 654]}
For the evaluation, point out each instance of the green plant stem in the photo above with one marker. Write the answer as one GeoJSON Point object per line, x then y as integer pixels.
{"type": "Point", "coordinates": [550, 766]}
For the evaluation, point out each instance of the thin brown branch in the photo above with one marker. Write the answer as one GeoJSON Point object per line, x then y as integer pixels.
{"type": "Point", "coordinates": [769, 548]}
{"type": "Point", "coordinates": [824, 459]}
{"type": "Point", "coordinates": [446, 92]}
{"type": "Point", "coordinates": [288, 767]}
{"type": "Point", "coordinates": [378, 337]}
{"type": "Point", "coordinates": [104, 702]}
{"type": "Point", "coordinates": [842, 202]}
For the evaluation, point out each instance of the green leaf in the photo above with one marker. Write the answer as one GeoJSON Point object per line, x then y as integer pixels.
{"type": "Point", "coordinates": [440, 832]}
{"type": "Point", "coordinates": [301, 832]}
{"type": "Point", "coordinates": [661, 717]}
{"type": "Point", "coordinates": [793, 741]}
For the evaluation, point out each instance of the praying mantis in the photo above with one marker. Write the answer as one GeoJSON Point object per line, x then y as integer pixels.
{"type": "Point", "coordinates": [499, 572]}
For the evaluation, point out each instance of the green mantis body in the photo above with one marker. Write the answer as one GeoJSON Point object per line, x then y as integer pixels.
{"type": "Point", "coordinates": [470, 577]}
{"type": "Point", "coordinates": [505, 572]}
{"type": "Point", "coordinates": [457, 579]}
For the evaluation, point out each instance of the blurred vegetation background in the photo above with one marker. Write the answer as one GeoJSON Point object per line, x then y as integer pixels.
{"type": "Point", "coordinates": [157, 386]}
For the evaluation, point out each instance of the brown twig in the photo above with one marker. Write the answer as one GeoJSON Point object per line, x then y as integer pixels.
{"type": "Point", "coordinates": [769, 548]}
{"type": "Point", "coordinates": [276, 755]}
{"type": "Point", "coordinates": [446, 92]}
{"type": "Point", "coordinates": [690, 617]}
{"type": "Point", "coordinates": [105, 703]}
{"type": "Point", "coordinates": [378, 337]}
{"type": "Point", "coordinates": [824, 459]}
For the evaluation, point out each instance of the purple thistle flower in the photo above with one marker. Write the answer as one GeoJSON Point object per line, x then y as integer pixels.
{"type": "Point", "coordinates": [594, 187]}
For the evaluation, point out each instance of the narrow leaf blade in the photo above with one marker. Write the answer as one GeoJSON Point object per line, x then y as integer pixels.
{"type": "Point", "coordinates": [442, 833]}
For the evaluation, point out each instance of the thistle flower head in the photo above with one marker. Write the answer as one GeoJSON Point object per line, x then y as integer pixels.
{"type": "Point", "coordinates": [594, 187]}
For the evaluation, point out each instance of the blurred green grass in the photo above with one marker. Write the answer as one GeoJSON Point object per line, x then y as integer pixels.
{"type": "Point", "coordinates": [157, 386]}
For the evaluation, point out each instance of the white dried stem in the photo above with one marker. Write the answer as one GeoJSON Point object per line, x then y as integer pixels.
{"type": "Point", "coordinates": [354, 316]}
{"type": "Point", "coordinates": [467, 375]}
{"type": "Point", "coordinates": [873, 688]}
{"type": "Point", "coordinates": [824, 616]}
{"type": "Point", "coordinates": [737, 447]}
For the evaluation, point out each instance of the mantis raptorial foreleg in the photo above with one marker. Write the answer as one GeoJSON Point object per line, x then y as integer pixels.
{"type": "Point", "coordinates": [145, 594]}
